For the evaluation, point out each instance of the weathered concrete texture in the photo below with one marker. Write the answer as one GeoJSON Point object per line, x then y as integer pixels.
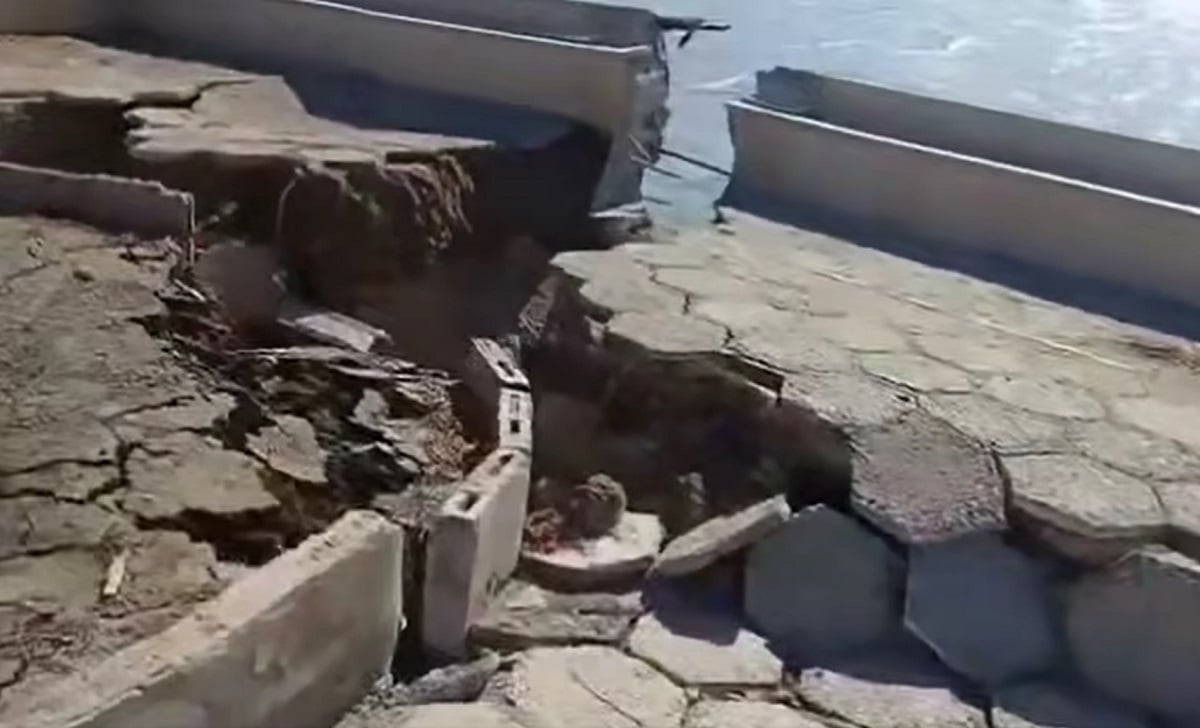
{"type": "Point", "coordinates": [728, 713]}
{"type": "Point", "coordinates": [922, 481]}
{"type": "Point", "coordinates": [598, 687]}
{"type": "Point", "coordinates": [624, 554]}
{"type": "Point", "coordinates": [473, 547]}
{"type": "Point", "coordinates": [983, 607]}
{"type": "Point", "coordinates": [1050, 705]}
{"type": "Point", "coordinates": [525, 615]}
{"type": "Point", "coordinates": [666, 333]}
{"type": "Point", "coordinates": [721, 536]}
{"type": "Point", "coordinates": [890, 689]}
{"type": "Point", "coordinates": [700, 646]}
{"type": "Point", "coordinates": [822, 585]}
{"type": "Point", "coordinates": [1082, 509]}
{"type": "Point", "coordinates": [1132, 631]}
{"type": "Point", "coordinates": [111, 203]}
{"type": "Point", "coordinates": [289, 446]}
{"type": "Point", "coordinates": [282, 646]}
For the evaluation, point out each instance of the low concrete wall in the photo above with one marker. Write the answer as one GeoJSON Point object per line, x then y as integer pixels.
{"type": "Point", "coordinates": [295, 643]}
{"type": "Point", "coordinates": [913, 190]}
{"type": "Point", "coordinates": [606, 87]}
{"type": "Point", "coordinates": [53, 16]}
{"type": "Point", "coordinates": [110, 203]}
{"type": "Point", "coordinates": [1136, 165]}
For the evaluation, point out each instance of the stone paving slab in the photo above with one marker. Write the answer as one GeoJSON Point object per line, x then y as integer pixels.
{"type": "Point", "coordinates": [863, 338]}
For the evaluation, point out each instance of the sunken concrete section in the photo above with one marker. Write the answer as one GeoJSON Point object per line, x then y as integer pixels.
{"type": "Point", "coordinates": [295, 643]}
{"type": "Point", "coordinates": [902, 186]}
{"type": "Point", "coordinates": [111, 203]}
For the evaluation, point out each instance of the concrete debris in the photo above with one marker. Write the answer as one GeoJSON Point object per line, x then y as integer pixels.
{"type": "Point", "coordinates": [1133, 631]}
{"type": "Point", "coordinates": [524, 615]}
{"type": "Point", "coordinates": [983, 607]}
{"type": "Point", "coordinates": [1051, 705]}
{"type": "Point", "coordinates": [702, 646]}
{"type": "Point", "coordinates": [821, 585]}
{"type": "Point", "coordinates": [289, 446]}
{"type": "Point", "coordinates": [452, 684]}
{"type": "Point", "coordinates": [329, 327]}
{"type": "Point", "coordinates": [890, 688]}
{"type": "Point", "coordinates": [721, 536]}
{"type": "Point", "coordinates": [597, 687]}
{"type": "Point", "coordinates": [618, 557]}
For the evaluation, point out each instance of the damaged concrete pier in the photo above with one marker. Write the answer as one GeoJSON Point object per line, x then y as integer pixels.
{"type": "Point", "coordinates": [324, 405]}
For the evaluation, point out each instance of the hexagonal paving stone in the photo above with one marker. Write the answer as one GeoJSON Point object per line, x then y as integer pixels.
{"type": "Point", "coordinates": [822, 584]}
{"type": "Point", "coordinates": [916, 372]}
{"type": "Point", "coordinates": [890, 688]}
{"type": "Point", "coordinates": [1050, 705]}
{"type": "Point", "coordinates": [846, 399]}
{"type": "Point", "coordinates": [1134, 451]}
{"type": "Point", "coordinates": [921, 481]}
{"type": "Point", "coordinates": [746, 714]}
{"type": "Point", "coordinates": [1134, 630]}
{"type": "Point", "coordinates": [982, 606]}
{"type": "Point", "coordinates": [993, 423]}
{"type": "Point", "coordinates": [699, 645]}
{"type": "Point", "coordinates": [789, 349]}
{"type": "Point", "coordinates": [1082, 509]}
{"type": "Point", "coordinates": [1173, 421]}
{"type": "Point", "coordinates": [1045, 396]}
{"type": "Point", "coordinates": [667, 333]}
{"type": "Point", "coordinates": [1181, 501]}
{"type": "Point", "coordinates": [597, 687]}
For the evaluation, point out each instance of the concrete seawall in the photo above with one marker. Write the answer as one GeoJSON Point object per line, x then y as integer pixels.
{"type": "Point", "coordinates": [1140, 166]}
{"type": "Point", "coordinates": [898, 187]}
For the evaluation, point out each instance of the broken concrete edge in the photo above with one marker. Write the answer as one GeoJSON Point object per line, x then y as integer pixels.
{"type": "Point", "coordinates": [117, 204]}
{"type": "Point", "coordinates": [490, 368]}
{"type": "Point", "coordinates": [296, 642]}
{"type": "Point", "coordinates": [330, 327]}
{"type": "Point", "coordinates": [474, 545]}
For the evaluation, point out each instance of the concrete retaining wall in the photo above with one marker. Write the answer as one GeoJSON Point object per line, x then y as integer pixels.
{"type": "Point", "coordinates": [608, 88]}
{"type": "Point", "coordinates": [952, 199]}
{"type": "Point", "coordinates": [1110, 160]}
{"type": "Point", "coordinates": [53, 16]}
{"type": "Point", "coordinates": [295, 643]}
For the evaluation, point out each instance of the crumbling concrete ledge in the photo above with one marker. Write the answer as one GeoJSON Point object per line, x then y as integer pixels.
{"type": "Point", "coordinates": [294, 644]}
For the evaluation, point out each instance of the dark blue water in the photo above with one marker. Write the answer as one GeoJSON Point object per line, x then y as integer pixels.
{"type": "Point", "coordinates": [1129, 66]}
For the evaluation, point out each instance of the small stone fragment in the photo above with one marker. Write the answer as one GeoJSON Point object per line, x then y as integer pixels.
{"type": "Point", "coordinates": [746, 714]}
{"type": "Point", "coordinates": [597, 687]}
{"type": "Point", "coordinates": [894, 688]}
{"type": "Point", "coordinates": [821, 584]}
{"type": "Point", "coordinates": [596, 506]}
{"type": "Point", "coordinates": [922, 481]}
{"type": "Point", "coordinates": [699, 646]}
{"type": "Point", "coordinates": [524, 615]}
{"type": "Point", "coordinates": [982, 606]}
{"type": "Point", "coordinates": [1134, 631]}
{"type": "Point", "coordinates": [624, 554]}
{"type": "Point", "coordinates": [1049, 705]}
{"type": "Point", "coordinates": [720, 537]}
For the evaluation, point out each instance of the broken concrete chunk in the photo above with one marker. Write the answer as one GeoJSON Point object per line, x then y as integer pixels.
{"type": "Point", "coordinates": [1083, 510]}
{"type": "Point", "coordinates": [720, 537]}
{"type": "Point", "coordinates": [451, 684]}
{"type": "Point", "coordinates": [197, 414]}
{"type": "Point", "coordinates": [1181, 501]}
{"type": "Point", "coordinates": [821, 584]}
{"type": "Point", "coordinates": [890, 688]}
{"type": "Point", "coordinates": [701, 646]}
{"type": "Point", "coordinates": [1050, 705]}
{"type": "Point", "coordinates": [746, 714]}
{"type": "Point", "coordinates": [983, 607]}
{"type": "Point", "coordinates": [525, 615]}
{"type": "Point", "coordinates": [186, 472]}
{"type": "Point", "coordinates": [624, 554]}
{"type": "Point", "coordinates": [490, 368]}
{"type": "Point", "coordinates": [922, 481]}
{"type": "Point", "coordinates": [1134, 631]}
{"type": "Point", "coordinates": [329, 327]}
{"type": "Point", "coordinates": [597, 687]}
{"type": "Point", "coordinates": [290, 446]}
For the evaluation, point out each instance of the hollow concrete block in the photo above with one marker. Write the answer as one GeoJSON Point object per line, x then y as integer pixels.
{"type": "Point", "coordinates": [296, 642]}
{"type": "Point", "coordinates": [489, 369]}
{"type": "Point", "coordinates": [473, 547]}
{"type": "Point", "coordinates": [514, 421]}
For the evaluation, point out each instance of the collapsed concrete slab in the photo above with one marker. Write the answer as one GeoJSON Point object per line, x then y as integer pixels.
{"type": "Point", "coordinates": [282, 646]}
